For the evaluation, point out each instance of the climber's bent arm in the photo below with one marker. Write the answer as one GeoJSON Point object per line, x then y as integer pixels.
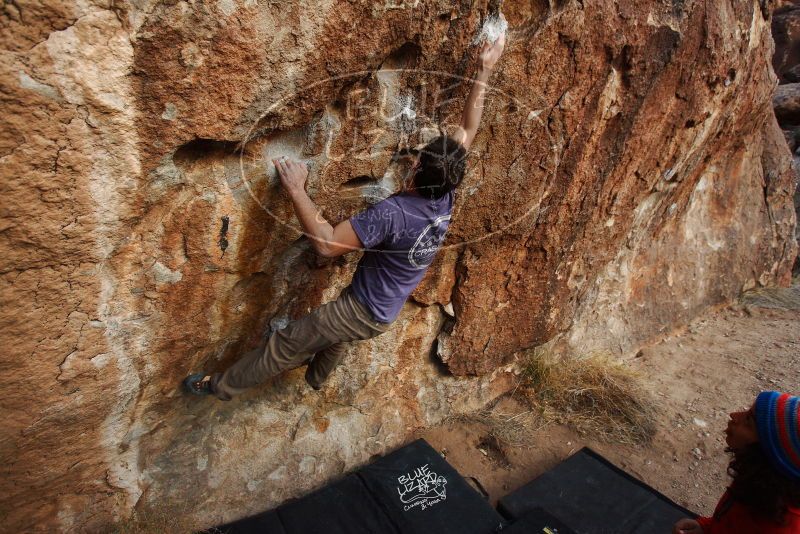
{"type": "Point", "coordinates": [327, 240]}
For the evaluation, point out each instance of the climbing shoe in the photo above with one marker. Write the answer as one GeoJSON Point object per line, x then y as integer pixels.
{"type": "Point", "coordinates": [198, 384]}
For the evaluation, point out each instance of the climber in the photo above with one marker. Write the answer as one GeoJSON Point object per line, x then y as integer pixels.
{"type": "Point", "coordinates": [400, 237]}
{"type": "Point", "coordinates": [764, 496]}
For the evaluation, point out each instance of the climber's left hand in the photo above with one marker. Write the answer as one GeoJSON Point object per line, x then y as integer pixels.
{"type": "Point", "coordinates": [491, 52]}
{"type": "Point", "coordinates": [293, 174]}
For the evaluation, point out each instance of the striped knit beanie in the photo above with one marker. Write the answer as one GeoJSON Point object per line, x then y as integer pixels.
{"type": "Point", "coordinates": [778, 422]}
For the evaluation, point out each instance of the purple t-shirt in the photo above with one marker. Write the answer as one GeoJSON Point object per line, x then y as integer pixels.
{"type": "Point", "coordinates": [401, 236]}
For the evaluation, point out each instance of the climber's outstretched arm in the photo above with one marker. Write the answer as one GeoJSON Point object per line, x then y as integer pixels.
{"type": "Point", "coordinates": [327, 240]}
{"type": "Point", "coordinates": [473, 109]}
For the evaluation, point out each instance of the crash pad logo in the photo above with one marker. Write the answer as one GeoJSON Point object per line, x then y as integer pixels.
{"type": "Point", "coordinates": [429, 241]}
{"type": "Point", "coordinates": [421, 488]}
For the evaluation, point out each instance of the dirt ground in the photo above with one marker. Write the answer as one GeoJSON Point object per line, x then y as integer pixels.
{"type": "Point", "coordinates": [716, 365]}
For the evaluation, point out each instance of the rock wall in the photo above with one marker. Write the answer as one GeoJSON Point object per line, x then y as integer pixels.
{"type": "Point", "coordinates": [786, 100]}
{"type": "Point", "coordinates": [628, 174]}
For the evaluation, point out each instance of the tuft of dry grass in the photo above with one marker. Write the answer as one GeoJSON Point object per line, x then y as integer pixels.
{"type": "Point", "coordinates": [597, 396]}
{"type": "Point", "coordinates": [511, 429]}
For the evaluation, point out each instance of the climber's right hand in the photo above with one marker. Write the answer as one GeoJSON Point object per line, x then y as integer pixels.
{"type": "Point", "coordinates": [293, 174]}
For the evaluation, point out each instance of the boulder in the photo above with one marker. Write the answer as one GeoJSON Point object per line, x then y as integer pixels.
{"type": "Point", "coordinates": [790, 139]}
{"type": "Point", "coordinates": [786, 102]}
{"type": "Point", "coordinates": [786, 33]}
{"type": "Point", "coordinates": [628, 174]}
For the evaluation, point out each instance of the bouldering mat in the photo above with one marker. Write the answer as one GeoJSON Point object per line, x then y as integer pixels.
{"type": "Point", "coordinates": [422, 493]}
{"type": "Point", "coordinates": [343, 507]}
{"type": "Point", "coordinates": [591, 495]}
{"type": "Point", "coordinates": [412, 490]}
{"type": "Point", "coordinates": [537, 521]}
{"type": "Point", "coordinates": [266, 523]}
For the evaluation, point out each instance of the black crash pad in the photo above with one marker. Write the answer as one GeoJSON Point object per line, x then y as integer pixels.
{"type": "Point", "coordinates": [591, 495]}
{"type": "Point", "coordinates": [422, 493]}
{"type": "Point", "coordinates": [537, 521]}
{"type": "Point", "coordinates": [343, 507]}
{"type": "Point", "coordinates": [266, 523]}
{"type": "Point", "coordinates": [410, 491]}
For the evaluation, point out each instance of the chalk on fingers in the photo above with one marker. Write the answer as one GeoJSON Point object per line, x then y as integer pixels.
{"type": "Point", "coordinates": [493, 27]}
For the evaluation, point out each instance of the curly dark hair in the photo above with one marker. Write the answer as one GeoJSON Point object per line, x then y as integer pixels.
{"type": "Point", "coordinates": [442, 165]}
{"type": "Point", "coordinates": [761, 487]}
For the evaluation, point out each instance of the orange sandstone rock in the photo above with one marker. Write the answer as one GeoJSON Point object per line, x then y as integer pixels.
{"type": "Point", "coordinates": [628, 174]}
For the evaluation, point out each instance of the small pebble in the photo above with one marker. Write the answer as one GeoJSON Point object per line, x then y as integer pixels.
{"type": "Point", "coordinates": [699, 422]}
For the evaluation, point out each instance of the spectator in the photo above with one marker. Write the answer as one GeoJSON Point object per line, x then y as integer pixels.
{"type": "Point", "coordinates": [764, 496]}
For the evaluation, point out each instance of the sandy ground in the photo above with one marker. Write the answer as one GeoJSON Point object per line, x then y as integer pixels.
{"type": "Point", "coordinates": [716, 365]}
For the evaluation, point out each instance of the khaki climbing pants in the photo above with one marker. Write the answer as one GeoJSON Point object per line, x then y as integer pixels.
{"type": "Point", "coordinates": [319, 337]}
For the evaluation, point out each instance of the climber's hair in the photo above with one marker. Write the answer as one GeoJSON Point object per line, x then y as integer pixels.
{"type": "Point", "coordinates": [442, 165]}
